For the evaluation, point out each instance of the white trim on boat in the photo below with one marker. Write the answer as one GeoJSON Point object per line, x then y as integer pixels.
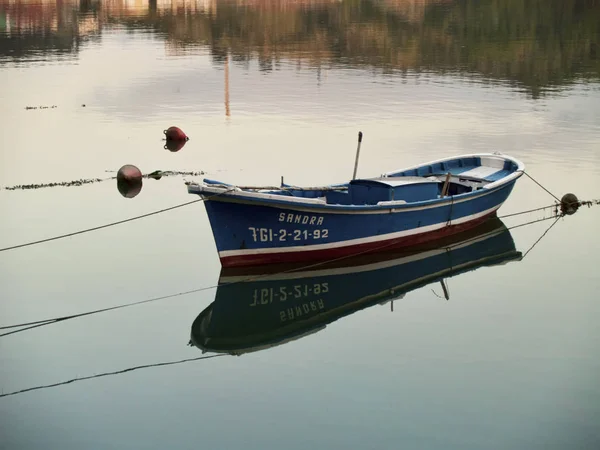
{"type": "Point", "coordinates": [365, 267]}
{"type": "Point", "coordinates": [235, 194]}
{"type": "Point", "coordinates": [496, 156]}
{"type": "Point", "coordinates": [513, 176]}
{"type": "Point", "coordinates": [358, 241]}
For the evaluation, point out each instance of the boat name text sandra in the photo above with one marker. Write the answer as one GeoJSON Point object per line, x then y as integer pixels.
{"type": "Point", "coordinates": [300, 218]}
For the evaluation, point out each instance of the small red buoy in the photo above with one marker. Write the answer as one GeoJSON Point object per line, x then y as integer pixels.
{"type": "Point", "coordinates": [129, 173]}
{"type": "Point", "coordinates": [175, 134]}
{"type": "Point", "coordinates": [174, 146]}
{"type": "Point", "coordinates": [129, 181]}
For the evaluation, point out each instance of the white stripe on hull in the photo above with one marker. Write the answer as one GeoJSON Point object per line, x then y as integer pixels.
{"type": "Point", "coordinates": [367, 267]}
{"type": "Point", "coordinates": [358, 241]}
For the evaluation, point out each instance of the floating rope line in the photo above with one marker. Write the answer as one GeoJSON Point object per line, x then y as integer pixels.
{"type": "Point", "coordinates": [106, 374]}
{"type": "Point", "coordinates": [589, 203]}
{"type": "Point", "coordinates": [57, 183]}
{"type": "Point", "coordinates": [157, 174]}
{"type": "Point", "coordinates": [170, 173]}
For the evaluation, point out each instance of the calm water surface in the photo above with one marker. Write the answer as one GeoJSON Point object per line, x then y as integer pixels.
{"type": "Point", "coordinates": [274, 88]}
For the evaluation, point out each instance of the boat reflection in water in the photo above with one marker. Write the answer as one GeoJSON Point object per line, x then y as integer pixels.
{"type": "Point", "coordinates": [255, 309]}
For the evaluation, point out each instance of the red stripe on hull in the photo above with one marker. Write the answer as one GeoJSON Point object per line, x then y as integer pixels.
{"type": "Point", "coordinates": [348, 251]}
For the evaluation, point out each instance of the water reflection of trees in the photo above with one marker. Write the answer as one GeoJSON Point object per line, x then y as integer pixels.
{"type": "Point", "coordinates": [536, 44]}
{"type": "Point", "coordinates": [41, 30]}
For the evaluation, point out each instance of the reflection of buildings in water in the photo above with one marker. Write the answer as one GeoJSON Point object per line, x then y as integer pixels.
{"type": "Point", "coordinates": [87, 16]}
{"type": "Point", "coordinates": [88, 25]}
{"type": "Point", "coordinates": [44, 17]}
{"type": "Point", "coordinates": [140, 8]}
{"type": "Point", "coordinates": [271, 30]}
{"type": "Point", "coordinates": [192, 6]}
{"type": "Point", "coordinates": [267, 30]}
{"type": "Point", "coordinates": [227, 109]}
{"type": "Point", "coordinates": [498, 42]}
{"type": "Point", "coordinates": [28, 16]}
{"type": "Point", "coordinates": [32, 27]}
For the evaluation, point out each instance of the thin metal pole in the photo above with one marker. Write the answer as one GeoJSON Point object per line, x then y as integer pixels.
{"type": "Point", "coordinates": [357, 153]}
{"type": "Point", "coordinates": [227, 110]}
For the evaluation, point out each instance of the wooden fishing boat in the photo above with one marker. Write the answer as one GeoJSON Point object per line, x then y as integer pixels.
{"type": "Point", "coordinates": [276, 224]}
{"type": "Point", "coordinates": [259, 307]}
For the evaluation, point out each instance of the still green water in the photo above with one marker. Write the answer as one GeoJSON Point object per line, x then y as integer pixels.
{"type": "Point", "coordinates": [273, 88]}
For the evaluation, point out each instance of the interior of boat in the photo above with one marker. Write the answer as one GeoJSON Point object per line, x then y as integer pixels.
{"type": "Point", "coordinates": [427, 182]}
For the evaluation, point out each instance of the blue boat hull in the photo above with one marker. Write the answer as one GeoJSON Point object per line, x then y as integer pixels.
{"type": "Point", "coordinates": [250, 232]}
{"type": "Point", "coordinates": [255, 308]}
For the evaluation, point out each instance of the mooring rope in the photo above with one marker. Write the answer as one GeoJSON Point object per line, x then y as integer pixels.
{"type": "Point", "coordinates": [491, 233]}
{"type": "Point", "coordinates": [40, 323]}
{"type": "Point", "coordinates": [554, 205]}
{"type": "Point", "coordinates": [106, 374]}
{"type": "Point", "coordinates": [131, 219]}
{"type": "Point", "coordinates": [87, 230]}
{"type": "Point", "coordinates": [532, 179]}
{"type": "Point", "coordinates": [540, 238]}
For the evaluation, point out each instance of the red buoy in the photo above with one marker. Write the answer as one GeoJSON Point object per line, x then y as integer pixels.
{"type": "Point", "coordinates": [129, 173]}
{"type": "Point", "coordinates": [174, 146]}
{"type": "Point", "coordinates": [175, 134]}
{"type": "Point", "coordinates": [129, 181]}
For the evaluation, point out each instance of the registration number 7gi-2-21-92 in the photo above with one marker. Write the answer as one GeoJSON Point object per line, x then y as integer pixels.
{"type": "Point", "coordinates": [270, 234]}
